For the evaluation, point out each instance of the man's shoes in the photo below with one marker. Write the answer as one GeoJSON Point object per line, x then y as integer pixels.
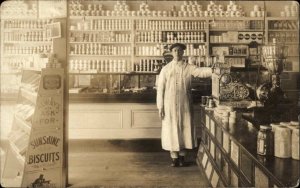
{"type": "Point", "coordinates": [181, 162]}
{"type": "Point", "coordinates": [174, 162]}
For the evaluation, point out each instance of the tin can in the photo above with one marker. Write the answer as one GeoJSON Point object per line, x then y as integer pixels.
{"type": "Point", "coordinates": [295, 143]}
{"type": "Point", "coordinates": [282, 142]}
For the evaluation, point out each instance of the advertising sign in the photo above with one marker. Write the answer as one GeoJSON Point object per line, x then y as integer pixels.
{"type": "Point", "coordinates": [49, 112]}
{"type": "Point", "coordinates": [44, 150]}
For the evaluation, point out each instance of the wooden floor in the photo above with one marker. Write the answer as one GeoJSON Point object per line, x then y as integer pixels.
{"type": "Point", "coordinates": [131, 166]}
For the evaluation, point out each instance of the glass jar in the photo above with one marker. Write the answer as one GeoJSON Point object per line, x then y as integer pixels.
{"type": "Point", "coordinates": [265, 141]}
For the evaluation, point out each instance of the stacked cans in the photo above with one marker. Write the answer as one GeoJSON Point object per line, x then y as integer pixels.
{"type": "Point", "coordinates": [257, 11]}
{"type": "Point", "coordinates": [290, 10]}
{"type": "Point", "coordinates": [286, 139]}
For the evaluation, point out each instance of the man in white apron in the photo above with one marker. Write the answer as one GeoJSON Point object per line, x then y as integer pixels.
{"type": "Point", "coordinates": [174, 103]}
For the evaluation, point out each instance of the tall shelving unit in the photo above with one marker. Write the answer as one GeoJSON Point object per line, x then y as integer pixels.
{"type": "Point", "coordinates": [148, 38]}
{"type": "Point", "coordinates": [22, 41]}
{"type": "Point", "coordinates": [285, 31]}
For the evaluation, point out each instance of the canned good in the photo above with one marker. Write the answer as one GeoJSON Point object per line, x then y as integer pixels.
{"type": "Point", "coordinates": [282, 142]}
{"type": "Point", "coordinates": [295, 143]}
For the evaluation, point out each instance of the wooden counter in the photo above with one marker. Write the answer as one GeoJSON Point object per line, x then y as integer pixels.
{"type": "Point", "coordinates": [116, 120]}
{"type": "Point", "coordinates": [228, 156]}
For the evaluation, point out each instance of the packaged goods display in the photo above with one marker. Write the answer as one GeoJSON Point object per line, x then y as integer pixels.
{"type": "Point", "coordinates": [25, 24]}
{"type": "Point", "coordinates": [237, 25]}
{"type": "Point", "coordinates": [24, 42]}
{"type": "Point", "coordinates": [24, 10]}
{"type": "Point", "coordinates": [163, 25]}
{"type": "Point", "coordinates": [103, 25]}
{"type": "Point", "coordinates": [19, 50]}
{"type": "Point", "coordinates": [290, 10]}
{"type": "Point", "coordinates": [187, 9]}
{"type": "Point", "coordinates": [137, 32]}
{"type": "Point", "coordinates": [100, 37]}
{"type": "Point", "coordinates": [100, 49]}
{"type": "Point", "coordinates": [187, 37]}
{"type": "Point", "coordinates": [101, 65]}
{"type": "Point", "coordinates": [257, 11]}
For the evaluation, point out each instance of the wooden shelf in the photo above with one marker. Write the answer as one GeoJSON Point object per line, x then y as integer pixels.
{"type": "Point", "coordinates": [27, 42]}
{"type": "Point", "coordinates": [150, 18]}
{"type": "Point", "coordinates": [101, 30]}
{"type": "Point", "coordinates": [33, 17]}
{"type": "Point", "coordinates": [32, 70]}
{"type": "Point", "coordinates": [23, 124]}
{"type": "Point", "coordinates": [111, 73]}
{"type": "Point", "coordinates": [83, 55]}
{"type": "Point", "coordinates": [169, 42]}
{"type": "Point", "coordinates": [9, 96]}
{"type": "Point", "coordinates": [21, 55]}
{"type": "Point", "coordinates": [230, 43]}
{"type": "Point", "coordinates": [29, 95]}
{"type": "Point", "coordinates": [238, 18]}
{"type": "Point", "coordinates": [100, 42]}
{"type": "Point", "coordinates": [11, 73]}
{"type": "Point", "coordinates": [23, 29]}
{"type": "Point", "coordinates": [170, 30]}
{"type": "Point", "coordinates": [161, 56]}
{"type": "Point", "coordinates": [16, 151]}
{"type": "Point", "coordinates": [230, 29]}
{"type": "Point", "coordinates": [161, 18]}
{"type": "Point", "coordinates": [283, 30]}
{"type": "Point", "coordinates": [282, 18]}
{"type": "Point", "coordinates": [284, 42]}
{"type": "Point", "coordinates": [241, 55]}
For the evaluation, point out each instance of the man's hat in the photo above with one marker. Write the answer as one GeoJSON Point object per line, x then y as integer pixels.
{"type": "Point", "coordinates": [182, 46]}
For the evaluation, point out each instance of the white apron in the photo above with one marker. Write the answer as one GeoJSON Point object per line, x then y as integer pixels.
{"type": "Point", "coordinates": [174, 94]}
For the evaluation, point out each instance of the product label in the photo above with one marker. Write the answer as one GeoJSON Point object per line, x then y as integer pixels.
{"type": "Point", "coordinates": [44, 150]}
{"type": "Point", "coordinates": [52, 82]}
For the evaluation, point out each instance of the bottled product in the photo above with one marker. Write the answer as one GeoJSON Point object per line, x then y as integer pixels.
{"type": "Point", "coordinates": [265, 141]}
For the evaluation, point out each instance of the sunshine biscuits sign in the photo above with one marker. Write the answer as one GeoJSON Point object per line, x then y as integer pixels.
{"type": "Point", "coordinates": [45, 150]}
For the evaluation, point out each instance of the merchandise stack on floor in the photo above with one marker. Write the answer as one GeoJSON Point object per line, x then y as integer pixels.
{"type": "Point", "coordinates": [129, 163]}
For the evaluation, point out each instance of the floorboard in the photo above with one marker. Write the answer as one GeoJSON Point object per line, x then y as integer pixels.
{"type": "Point", "coordinates": [129, 168]}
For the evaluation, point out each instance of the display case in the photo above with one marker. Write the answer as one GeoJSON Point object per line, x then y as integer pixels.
{"type": "Point", "coordinates": [228, 156]}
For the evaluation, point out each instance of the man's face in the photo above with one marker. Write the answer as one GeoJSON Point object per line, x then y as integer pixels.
{"type": "Point", "coordinates": [177, 53]}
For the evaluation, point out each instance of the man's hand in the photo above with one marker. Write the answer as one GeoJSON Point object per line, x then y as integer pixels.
{"type": "Point", "coordinates": [161, 113]}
